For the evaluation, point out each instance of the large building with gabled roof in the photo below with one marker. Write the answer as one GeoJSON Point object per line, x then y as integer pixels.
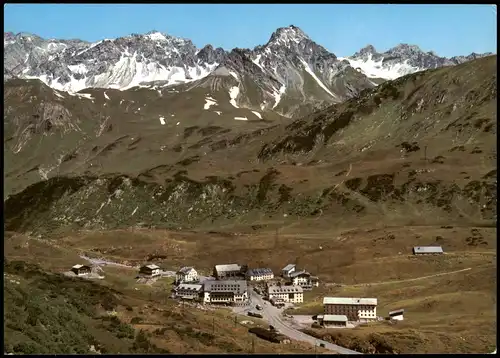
{"type": "Point", "coordinates": [229, 271]}
{"type": "Point", "coordinates": [226, 292]}
{"type": "Point", "coordinates": [355, 309]}
{"type": "Point", "coordinates": [292, 294]}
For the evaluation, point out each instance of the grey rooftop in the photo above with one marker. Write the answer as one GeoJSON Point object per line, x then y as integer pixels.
{"type": "Point", "coordinates": [228, 267]}
{"type": "Point", "coordinates": [349, 301]}
{"type": "Point", "coordinates": [235, 286]}
{"type": "Point", "coordinates": [285, 289]}
{"type": "Point", "coordinates": [428, 250]}
{"type": "Point", "coordinates": [190, 287]}
{"type": "Point", "coordinates": [185, 270]}
{"type": "Point", "coordinates": [334, 318]}
{"type": "Point", "coordinates": [260, 271]}
{"type": "Point", "coordinates": [152, 267]}
{"type": "Point", "coordinates": [288, 267]}
{"type": "Point", "coordinates": [300, 273]}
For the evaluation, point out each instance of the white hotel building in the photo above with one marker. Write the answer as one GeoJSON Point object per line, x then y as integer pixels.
{"type": "Point", "coordinates": [260, 274]}
{"type": "Point", "coordinates": [292, 294]}
{"type": "Point", "coordinates": [356, 309]}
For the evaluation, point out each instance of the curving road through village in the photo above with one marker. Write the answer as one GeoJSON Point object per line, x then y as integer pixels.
{"type": "Point", "coordinates": [271, 314]}
{"type": "Point", "coordinates": [274, 317]}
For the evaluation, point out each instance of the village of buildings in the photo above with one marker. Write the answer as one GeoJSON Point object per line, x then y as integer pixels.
{"type": "Point", "coordinates": [234, 284]}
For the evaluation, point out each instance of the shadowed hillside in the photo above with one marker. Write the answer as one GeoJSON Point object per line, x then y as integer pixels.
{"type": "Point", "coordinates": [418, 150]}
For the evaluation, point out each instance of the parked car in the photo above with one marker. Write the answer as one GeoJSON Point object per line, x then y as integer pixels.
{"type": "Point", "coordinates": [253, 314]}
{"type": "Point", "coordinates": [322, 345]}
{"type": "Point", "coordinates": [259, 307]}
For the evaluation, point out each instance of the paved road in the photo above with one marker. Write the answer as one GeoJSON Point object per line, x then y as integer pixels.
{"type": "Point", "coordinates": [401, 281]}
{"type": "Point", "coordinates": [102, 262]}
{"type": "Point", "coordinates": [164, 273]}
{"type": "Point", "coordinates": [273, 316]}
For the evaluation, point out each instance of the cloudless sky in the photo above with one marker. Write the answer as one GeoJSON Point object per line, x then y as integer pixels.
{"type": "Point", "coordinates": [448, 30]}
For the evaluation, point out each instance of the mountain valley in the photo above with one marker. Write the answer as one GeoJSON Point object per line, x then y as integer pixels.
{"type": "Point", "coordinates": [147, 149]}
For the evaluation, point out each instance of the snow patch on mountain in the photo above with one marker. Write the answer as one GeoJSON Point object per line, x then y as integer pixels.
{"type": "Point", "coordinates": [157, 36]}
{"type": "Point", "coordinates": [372, 68]}
{"type": "Point", "coordinates": [313, 75]}
{"type": "Point", "coordinates": [209, 102]}
{"type": "Point", "coordinates": [80, 68]}
{"type": "Point", "coordinates": [234, 74]}
{"type": "Point", "coordinates": [233, 94]}
{"type": "Point", "coordinates": [277, 95]}
{"type": "Point", "coordinates": [257, 114]}
{"type": "Point", "coordinates": [84, 95]}
{"type": "Point", "coordinates": [256, 60]}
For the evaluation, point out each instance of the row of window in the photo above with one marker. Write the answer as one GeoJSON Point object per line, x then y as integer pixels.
{"type": "Point", "coordinates": [262, 277]}
{"type": "Point", "coordinates": [225, 286]}
{"type": "Point", "coordinates": [352, 308]}
{"type": "Point", "coordinates": [349, 309]}
{"type": "Point", "coordinates": [350, 312]}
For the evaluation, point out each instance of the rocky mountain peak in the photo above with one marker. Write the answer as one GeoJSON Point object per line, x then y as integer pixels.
{"type": "Point", "coordinates": [405, 49]}
{"type": "Point", "coordinates": [475, 55]}
{"type": "Point", "coordinates": [368, 49]}
{"type": "Point", "coordinates": [365, 52]}
{"type": "Point", "coordinates": [292, 44]}
{"type": "Point", "coordinates": [210, 55]}
{"type": "Point", "coordinates": [287, 35]}
{"type": "Point", "coordinates": [157, 36]}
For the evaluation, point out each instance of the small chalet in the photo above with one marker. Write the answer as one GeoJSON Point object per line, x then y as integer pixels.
{"type": "Point", "coordinates": [288, 270]}
{"type": "Point", "coordinates": [427, 250]}
{"type": "Point", "coordinates": [149, 271]}
{"type": "Point", "coordinates": [186, 274]}
{"type": "Point", "coordinates": [81, 270]}
{"type": "Point", "coordinates": [396, 315]}
{"type": "Point", "coordinates": [304, 279]}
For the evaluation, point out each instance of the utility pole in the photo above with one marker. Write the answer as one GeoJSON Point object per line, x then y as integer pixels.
{"type": "Point", "coordinates": [235, 320]}
{"type": "Point", "coordinates": [425, 153]}
{"type": "Point", "coordinates": [213, 325]}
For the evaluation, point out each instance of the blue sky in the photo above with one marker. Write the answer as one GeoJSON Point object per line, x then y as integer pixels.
{"type": "Point", "coordinates": [343, 29]}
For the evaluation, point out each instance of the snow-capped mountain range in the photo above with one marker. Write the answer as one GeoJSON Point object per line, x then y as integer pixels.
{"type": "Point", "coordinates": [401, 60]}
{"type": "Point", "coordinates": [288, 71]}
